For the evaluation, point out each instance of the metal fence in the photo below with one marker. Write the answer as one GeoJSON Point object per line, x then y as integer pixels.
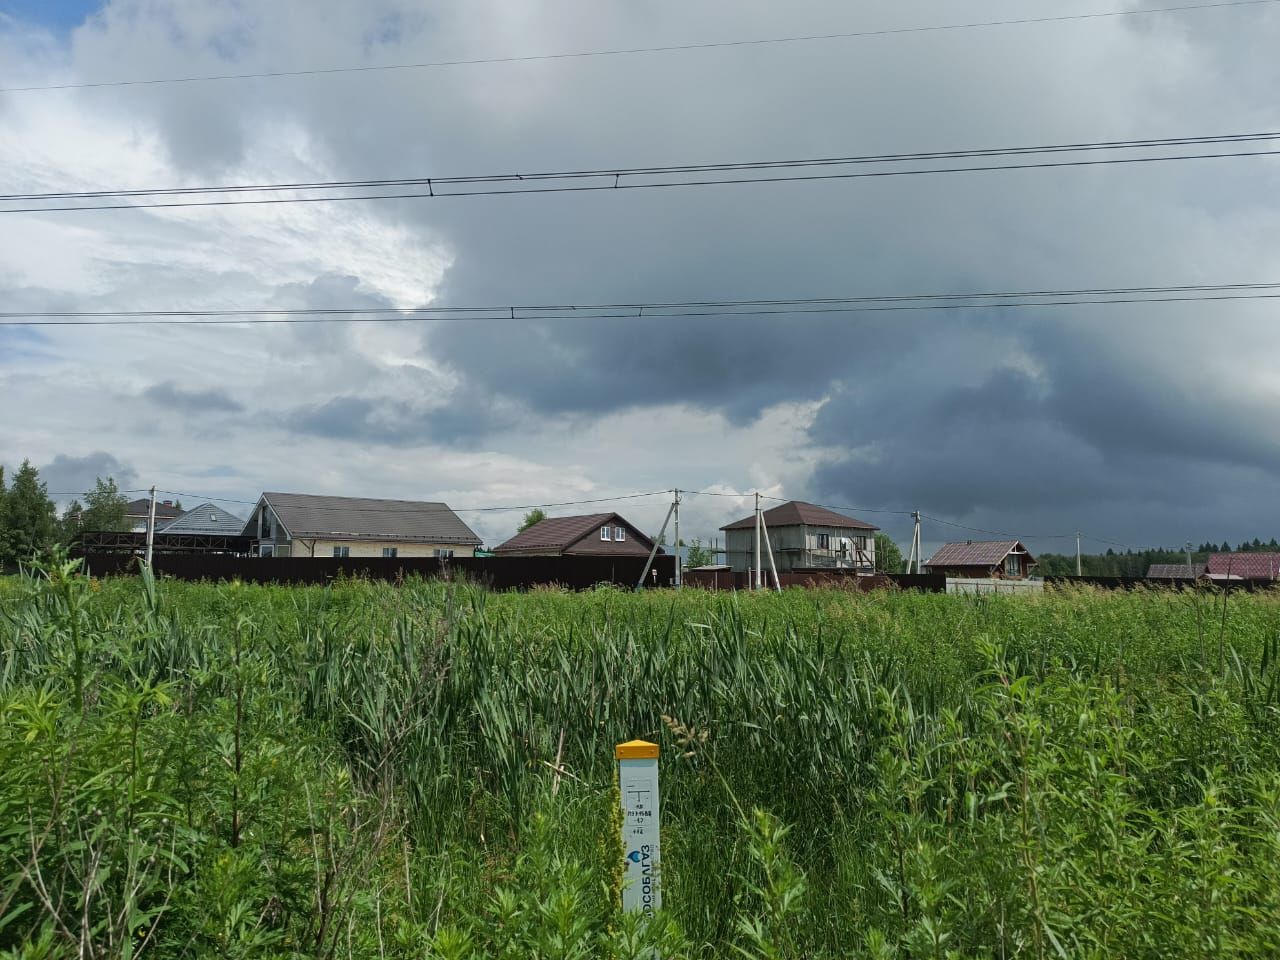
{"type": "Point", "coordinates": [498, 573]}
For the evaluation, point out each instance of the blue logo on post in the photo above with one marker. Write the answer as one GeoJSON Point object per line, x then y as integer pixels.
{"type": "Point", "coordinates": [634, 856]}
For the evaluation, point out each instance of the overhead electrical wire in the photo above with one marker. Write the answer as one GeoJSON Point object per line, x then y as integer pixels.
{"type": "Point", "coordinates": [637, 51]}
{"type": "Point", "coordinates": [643, 178]}
{"type": "Point", "coordinates": [404, 510]}
{"type": "Point", "coordinates": [1003, 300]}
{"type": "Point", "coordinates": [199, 497]}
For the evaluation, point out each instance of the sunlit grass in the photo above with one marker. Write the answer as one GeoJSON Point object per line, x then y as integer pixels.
{"type": "Point", "coordinates": [367, 770]}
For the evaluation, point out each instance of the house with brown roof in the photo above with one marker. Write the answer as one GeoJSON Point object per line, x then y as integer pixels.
{"type": "Point", "coordinates": [138, 513]}
{"type": "Point", "coordinates": [1244, 566]}
{"type": "Point", "coordinates": [982, 559]}
{"type": "Point", "coordinates": [803, 536]}
{"type": "Point", "coordinates": [595, 535]}
{"type": "Point", "coordinates": [305, 525]}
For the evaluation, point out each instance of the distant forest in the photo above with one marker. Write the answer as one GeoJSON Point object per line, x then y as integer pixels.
{"type": "Point", "coordinates": [1134, 563]}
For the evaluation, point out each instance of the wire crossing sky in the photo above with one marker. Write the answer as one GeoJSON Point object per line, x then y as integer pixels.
{"type": "Point", "coordinates": [637, 51]}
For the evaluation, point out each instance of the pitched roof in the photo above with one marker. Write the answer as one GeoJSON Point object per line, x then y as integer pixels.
{"type": "Point", "coordinates": [973, 553]}
{"type": "Point", "coordinates": [142, 508]}
{"type": "Point", "coordinates": [206, 518]}
{"type": "Point", "coordinates": [1249, 566]}
{"type": "Point", "coordinates": [1176, 571]}
{"type": "Point", "coordinates": [560, 533]}
{"type": "Point", "coordinates": [797, 512]}
{"type": "Point", "coordinates": [362, 518]}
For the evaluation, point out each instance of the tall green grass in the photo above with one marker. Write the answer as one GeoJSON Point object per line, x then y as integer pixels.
{"type": "Point", "coordinates": [426, 770]}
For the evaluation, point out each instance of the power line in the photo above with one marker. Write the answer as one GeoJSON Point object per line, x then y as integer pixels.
{"type": "Point", "coordinates": [732, 166]}
{"type": "Point", "coordinates": [409, 509]}
{"type": "Point", "coordinates": [199, 497]}
{"type": "Point", "coordinates": [606, 179]}
{"type": "Point", "coordinates": [1008, 300]}
{"type": "Point", "coordinates": [636, 51]}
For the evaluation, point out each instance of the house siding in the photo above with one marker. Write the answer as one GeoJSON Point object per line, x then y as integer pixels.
{"type": "Point", "coordinates": [305, 547]}
{"type": "Point", "coordinates": [795, 547]}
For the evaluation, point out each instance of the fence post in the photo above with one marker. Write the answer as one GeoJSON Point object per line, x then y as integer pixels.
{"type": "Point", "coordinates": [638, 787]}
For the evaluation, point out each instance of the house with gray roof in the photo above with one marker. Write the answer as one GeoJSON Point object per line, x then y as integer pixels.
{"type": "Point", "coordinates": [982, 559]}
{"type": "Point", "coordinates": [307, 525]}
{"type": "Point", "coordinates": [205, 519]}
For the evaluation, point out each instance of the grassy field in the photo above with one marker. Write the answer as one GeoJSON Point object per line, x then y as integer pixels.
{"type": "Point", "coordinates": [368, 770]}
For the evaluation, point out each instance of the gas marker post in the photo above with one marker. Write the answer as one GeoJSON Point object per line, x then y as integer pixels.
{"type": "Point", "coordinates": [638, 786]}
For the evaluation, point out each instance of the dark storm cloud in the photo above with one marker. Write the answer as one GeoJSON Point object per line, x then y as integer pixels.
{"type": "Point", "coordinates": [462, 423]}
{"type": "Point", "coordinates": [1090, 436]}
{"type": "Point", "coordinates": [75, 475]}
{"type": "Point", "coordinates": [977, 417]}
{"type": "Point", "coordinates": [169, 395]}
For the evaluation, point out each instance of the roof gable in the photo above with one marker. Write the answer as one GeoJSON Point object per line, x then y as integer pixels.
{"type": "Point", "coordinates": [1176, 571]}
{"type": "Point", "coordinates": [561, 533]}
{"type": "Point", "coordinates": [362, 518]}
{"type": "Point", "coordinates": [975, 553]}
{"type": "Point", "coordinates": [798, 513]}
{"type": "Point", "coordinates": [206, 518]}
{"type": "Point", "coordinates": [1249, 566]}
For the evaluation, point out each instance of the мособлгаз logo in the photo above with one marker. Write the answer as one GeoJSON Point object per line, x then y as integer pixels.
{"type": "Point", "coordinates": [634, 856]}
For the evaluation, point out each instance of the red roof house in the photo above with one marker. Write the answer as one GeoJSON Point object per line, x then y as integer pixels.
{"type": "Point", "coordinates": [596, 534]}
{"type": "Point", "coordinates": [982, 559]}
{"type": "Point", "coordinates": [1244, 566]}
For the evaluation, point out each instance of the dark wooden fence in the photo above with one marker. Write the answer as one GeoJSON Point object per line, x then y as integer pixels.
{"type": "Point", "coordinates": [498, 573]}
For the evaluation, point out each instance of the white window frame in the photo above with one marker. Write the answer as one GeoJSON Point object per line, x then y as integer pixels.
{"type": "Point", "coordinates": [605, 533]}
{"type": "Point", "coordinates": [266, 549]}
{"type": "Point", "coordinates": [443, 553]}
{"type": "Point", "coordinates": [823, 540]}
{"type": "Point", "coordinates": [390, 553]}
{"type": "Point", "coordinates": [619, 534]}
{"type": "Point", "coordinates": [1014, 560]}
{"type": "Point", "coordinates": [341, 553]}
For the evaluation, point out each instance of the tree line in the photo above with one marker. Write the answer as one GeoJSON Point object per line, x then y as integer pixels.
{"type": "Point", "coordinates": [1134, 563]}
{"type": "Point", "coordinates": [31, 525]}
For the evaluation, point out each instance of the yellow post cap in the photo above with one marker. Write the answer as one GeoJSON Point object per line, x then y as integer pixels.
{"type": "Point", "coordinates": [636, 750]}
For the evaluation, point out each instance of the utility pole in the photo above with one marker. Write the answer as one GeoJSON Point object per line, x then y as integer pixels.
{"type": "Point", "coordinates": [151, 525]}
{"type": "Point", "coordinates": [1079, 569]}
{"type": "Point", "coordinates": [654, 552]}
{"type": "Point", "coordinates": [768, 547]}
{"type": "Point", "coordinates": [759, 560]}
{"type": "Point", "coordinates": [915, 544]}
{"type": "Point", "coordinates": [677, 519]}
{"type": "Point", "coordinates": [1190, 574]}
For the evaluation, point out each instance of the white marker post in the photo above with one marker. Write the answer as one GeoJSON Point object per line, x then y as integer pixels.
{"type": "Point", "coordinates": [638, 784]}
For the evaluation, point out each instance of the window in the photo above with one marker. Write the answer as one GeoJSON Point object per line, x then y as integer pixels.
{"type": "Point", "coordinates": [213, 518]}
{"type": "Point", "coordinates": [443, 553]}
{"type": "Point", "coordinates": [1013, 565]}
{"type": "Point", "coordinates": [342, 552]}
{"type": "Point", "coordinates": [390, 551]}
{"type": "Point", "coordinates": [824, 541]}
{"type": "Point", "coordinates": [619, 534]}
{"type": "Point", "coordinates": [606, 533]}
{"type": "Point", "coordinates": [267, 550]}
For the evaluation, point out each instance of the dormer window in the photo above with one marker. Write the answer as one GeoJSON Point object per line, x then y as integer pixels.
{"type": "Point", "coordinates": [606, 533]}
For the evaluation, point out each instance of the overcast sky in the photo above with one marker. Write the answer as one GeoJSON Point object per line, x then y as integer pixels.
{"type": "Point", "coordinates": [1142, 424]}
